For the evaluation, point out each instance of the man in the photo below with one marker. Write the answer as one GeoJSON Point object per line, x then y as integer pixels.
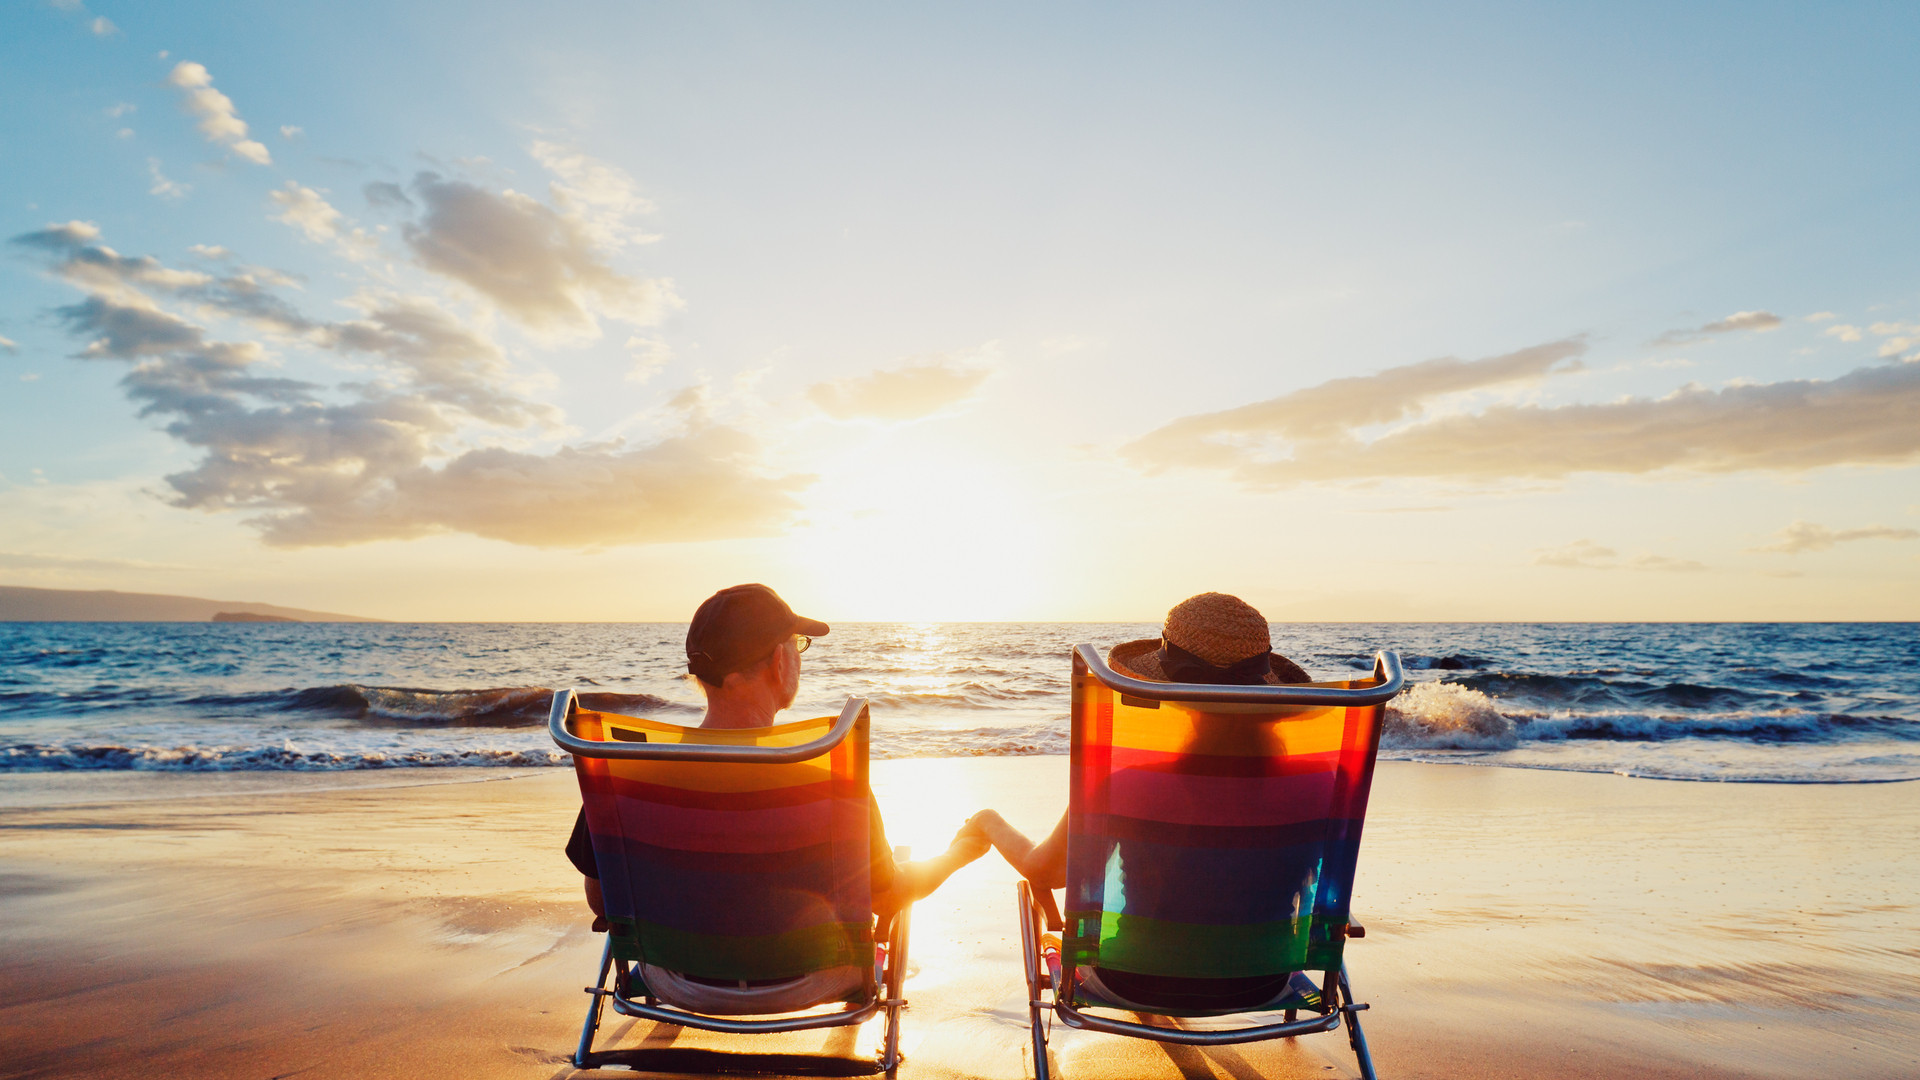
{"type": "Point", "coordinates": [743, 647]}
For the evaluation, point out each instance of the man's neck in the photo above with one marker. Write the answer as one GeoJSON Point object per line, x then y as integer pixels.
{"type": "Point", "coordinates": [723, 712]}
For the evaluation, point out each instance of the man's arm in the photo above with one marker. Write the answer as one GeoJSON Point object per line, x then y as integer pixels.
{"type": "Point", "coordinates": [917, 880]}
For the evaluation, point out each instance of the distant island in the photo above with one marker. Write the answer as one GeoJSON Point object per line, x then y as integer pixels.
{"type": "Point", "coordinates": [21, 604]}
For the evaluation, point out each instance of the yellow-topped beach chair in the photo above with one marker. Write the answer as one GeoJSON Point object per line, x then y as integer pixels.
{"type": "Point", "coordinates": [1211, 842]}
{"type": "Point", "coordinates": [735, 869]}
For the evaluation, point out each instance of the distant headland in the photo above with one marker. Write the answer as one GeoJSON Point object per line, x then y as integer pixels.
{"type": "Point", "coordinates": [21, 604]}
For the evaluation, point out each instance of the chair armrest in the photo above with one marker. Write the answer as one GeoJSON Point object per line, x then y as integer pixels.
{"type": "Point", "coordinates": [1353, 929]}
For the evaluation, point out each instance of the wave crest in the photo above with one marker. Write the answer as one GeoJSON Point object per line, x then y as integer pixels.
{"type": "Point", "coordinates": [1446, 716]}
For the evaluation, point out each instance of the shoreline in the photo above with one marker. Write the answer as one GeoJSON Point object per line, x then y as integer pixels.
{"type": "Point", "coordinates": [1521, 922]}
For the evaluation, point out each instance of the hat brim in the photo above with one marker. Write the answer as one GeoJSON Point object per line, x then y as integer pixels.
{"type": "Point", "coordinates": [809, 627]}
{"type": "Point", "coordinates": [1141, 660]}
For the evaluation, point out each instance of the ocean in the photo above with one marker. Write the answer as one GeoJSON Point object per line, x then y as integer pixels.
{"type": "Point", "coordinates": [1784, 703]}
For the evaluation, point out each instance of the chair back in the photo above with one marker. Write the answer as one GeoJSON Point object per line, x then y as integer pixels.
{"type": "Point", "coordinates": [729, 869]}
{"type": "Point", "coordinates": [1213, 830]}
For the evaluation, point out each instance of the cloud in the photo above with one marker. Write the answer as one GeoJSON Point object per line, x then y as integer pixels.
{"type": "Point", "coordinates": [103, 27]}
{"type": "Point", "coordinates": [219, 121]}
{"type": "Point", "coordinates": [1908, 337]}
{"type": "Point", "coordinates": [163, 187]}
{"type": "Point", "coordinates": [1843, 331]}
{"type": "Point", "coordinates": [907, 393]}
{"type": "Point", "coordinates": [1821, 316]}
{"type": "Point", "coordinates": [696, 486]}
{"type": "Point", "coordinates": [381, 458]}
{"type": "Point", "coordinates": [209, 251]}
{"type": "Point", "coordinates": [382, 195]}
{"type": "Point", "coordinates": [1665, 564]}
{"type": "Point", "coordinates": [539, 266]}
{"type": "Point", "coordinates": [650, 357]}
{"type": "Point", "coordinates": [1804, 536]}
{"type": "Point", "coordinates": [1579, 555]}
{"type": "Point", "coordinates": [1759, 321]}
{"type": "Point", "coordinates": [7, 344]}
{"type": "Point", "coordinates": [1864, 417]}
{"type": "Point", "coordinates": [601, 196]}
{"type": "Point", "coordinates": [289, 131]}
{"type": "Point", "coordinates": [27, 560]}
{"type": "Point", "coordinates": [305, 209]}
{"type": "Point", "coordinates": [1587, 555]}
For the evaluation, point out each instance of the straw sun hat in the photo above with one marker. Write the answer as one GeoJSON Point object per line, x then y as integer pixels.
{"type": "Point", "coordinates": [1210, 638]}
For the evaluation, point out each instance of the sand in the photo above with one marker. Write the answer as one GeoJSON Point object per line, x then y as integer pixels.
{"type": "Point", "coordinates": [423, 922]}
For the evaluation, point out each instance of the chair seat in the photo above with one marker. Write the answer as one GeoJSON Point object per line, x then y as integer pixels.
{"type": "Point", "coordinates": [759, 998]}
{"type": "Point", "coordinates": [1300, 992]}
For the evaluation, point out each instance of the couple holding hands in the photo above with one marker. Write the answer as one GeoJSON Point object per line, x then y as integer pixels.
{"type": "Point", "coordinates": [744, 646]}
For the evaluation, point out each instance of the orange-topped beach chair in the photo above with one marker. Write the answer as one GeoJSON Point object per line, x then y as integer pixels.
{"type": "Point", "coordinates": [1212, 835]}
{"type": "Point", "coordinates": [735, 869]}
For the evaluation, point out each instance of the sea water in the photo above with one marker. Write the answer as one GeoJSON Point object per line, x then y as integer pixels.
{"type": "Point", "coordinates": [1800, 702]}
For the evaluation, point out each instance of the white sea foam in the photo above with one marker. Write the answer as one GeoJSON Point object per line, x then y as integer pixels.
{"type": "Point", "coordinates": [1444, 716]}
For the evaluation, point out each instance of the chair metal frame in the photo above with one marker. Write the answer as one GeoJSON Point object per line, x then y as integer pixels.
{"type": "Point", "coordinates": [884, 995]}
{"type": "Point", "coordinates": [1037, 908]}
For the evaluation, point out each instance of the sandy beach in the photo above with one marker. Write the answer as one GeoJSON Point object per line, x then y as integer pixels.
{"type": "Point", "coordinates": [420, 922]}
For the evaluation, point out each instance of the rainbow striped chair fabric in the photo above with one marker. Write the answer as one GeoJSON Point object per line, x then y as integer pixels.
{"type": "Point", "coordinates": [733, 859]}
{"type": "Point", "coordinates": [1212, 838]}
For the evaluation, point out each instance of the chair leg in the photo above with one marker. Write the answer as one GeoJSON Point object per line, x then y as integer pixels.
{"type": "Point", "coordinates": [896, 979]}
{"type": "Point", "coordinates": [583, 1055]}
{"type": "Point", "coordinates": [896, 985]}
{"type": "Point", "coordinates": [1356, 1038]}
{"type": "Point", "coordinates": [1030, 956]}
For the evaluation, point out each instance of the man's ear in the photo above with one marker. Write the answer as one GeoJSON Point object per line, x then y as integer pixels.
{"type": "Point", "coordinates": [782, 665]}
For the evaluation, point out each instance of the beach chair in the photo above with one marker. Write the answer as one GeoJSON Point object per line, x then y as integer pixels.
{"type": "Point", "coordinates": [1211, 840]}
{"type": "Point", "coordinates": [734, 863]}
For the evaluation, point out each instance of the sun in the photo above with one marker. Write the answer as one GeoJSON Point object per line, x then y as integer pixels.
{"type": "Point", "coordinates": [952, 540]}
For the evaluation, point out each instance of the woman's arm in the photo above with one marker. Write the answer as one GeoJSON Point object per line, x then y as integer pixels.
{"type": "Point", "coordinates": [1044, 864]}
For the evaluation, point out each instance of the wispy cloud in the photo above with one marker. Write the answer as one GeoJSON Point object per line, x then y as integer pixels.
{"type": "Point", "coordinates": [1587, 555]}
{"type": "Point", "coordinates": [163, 187]}
{"type": "Point", "coordinates": [29, 560]}
{"type": "Point", "coordinates": [1760, 321]}
{"type": "Point", "coordinates": [382, 195]}
{"type": "Point", "coordinates": [307, 210]}
{"type": "Point", "coordinates": [1316, 434]}
{"type": "Point", "coordinates": [905, 393]}
{"type": "Point", "coordinates": [1804, 536]}
{"type": "Point", "coordinates": [1843, 331]}
{"type": "Point", "coordinates": [219, 121]}
{"type": "Point", "coordinates": [9, 345]}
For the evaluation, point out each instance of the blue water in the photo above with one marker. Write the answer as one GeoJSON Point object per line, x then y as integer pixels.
{"type": "Point", "coordinates": [1752, 702]}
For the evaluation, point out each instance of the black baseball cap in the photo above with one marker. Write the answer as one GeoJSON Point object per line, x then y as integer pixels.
{"type": "Point", "coordinates": [736, 628]}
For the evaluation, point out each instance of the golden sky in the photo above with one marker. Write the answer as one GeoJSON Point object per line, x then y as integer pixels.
{"type": "Point", "coordinates": [941, 315]}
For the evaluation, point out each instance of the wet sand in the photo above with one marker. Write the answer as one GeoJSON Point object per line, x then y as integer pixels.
{"type": "Point", "coordinates": [423, 922]}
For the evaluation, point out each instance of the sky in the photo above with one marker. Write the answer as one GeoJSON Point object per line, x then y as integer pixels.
{"type": "Point", "coordinates": [583, 311]}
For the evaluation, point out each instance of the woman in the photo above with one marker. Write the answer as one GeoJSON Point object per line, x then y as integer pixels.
{"type": "Point", "coordinates": [1209, 638]}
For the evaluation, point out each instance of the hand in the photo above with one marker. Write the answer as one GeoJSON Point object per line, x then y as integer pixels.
{"type": "Point", "coordinates": [600, 925]}
{"type": "Point", "coordinates": [969, 843]}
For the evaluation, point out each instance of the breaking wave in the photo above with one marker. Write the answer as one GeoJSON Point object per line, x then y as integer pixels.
{"type": "Point", "coordinates": [1707, 701]}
